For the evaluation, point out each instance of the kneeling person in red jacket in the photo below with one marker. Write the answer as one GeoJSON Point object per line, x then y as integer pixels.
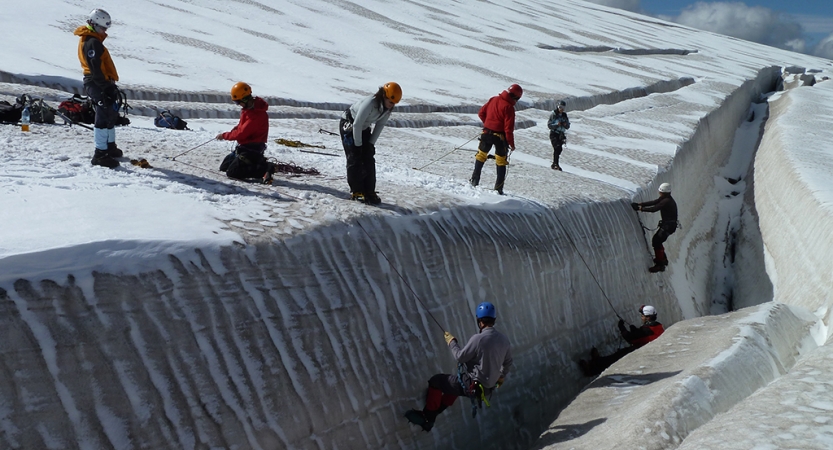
{"type": "Point", "coordinates": [251, 133]}
{"type": "Point", "coordinates": [637, 337]}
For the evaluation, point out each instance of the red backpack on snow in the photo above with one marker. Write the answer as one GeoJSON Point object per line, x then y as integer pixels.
{"type": "Point", "coordinates": [78, 109]}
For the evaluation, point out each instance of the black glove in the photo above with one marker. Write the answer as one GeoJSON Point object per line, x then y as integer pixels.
{"type": "Point", "coordinates": [621, 323]}
{"type": "Point", "coordinates": [635, 206]}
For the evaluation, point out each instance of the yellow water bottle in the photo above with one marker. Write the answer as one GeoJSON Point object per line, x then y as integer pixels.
{"type": "Point", "coordinates": [25, 118]}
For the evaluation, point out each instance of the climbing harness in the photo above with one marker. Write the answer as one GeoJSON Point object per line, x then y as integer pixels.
{"type": "Point", "coordinates": [450, 152]}
{"type": "Point", "coordinates": [474, 391]}
{"type": "Point", "coordinates": [400, 276]}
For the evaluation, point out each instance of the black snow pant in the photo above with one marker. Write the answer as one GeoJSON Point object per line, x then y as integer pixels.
{"type": "Point", "coordinates": [105, 114]}
{"type": "Point", "coordinates": [557, 140]}
{"type": "Point", "coordinates": [246, 161]}
{"type": "Point", "coordinates": [598, 365]}
{"type": "Point", "coordinates": [361, 161]}
{"type": "Point", "coordinates": [663, 231]}
{"type": "Point", "coordinates": [487, 140]}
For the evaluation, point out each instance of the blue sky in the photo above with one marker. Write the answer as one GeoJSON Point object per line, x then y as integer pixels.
{"type": "Point", "coordinates": [804, 26]}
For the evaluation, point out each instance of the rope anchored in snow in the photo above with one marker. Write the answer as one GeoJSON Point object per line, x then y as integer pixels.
{"type": "Point", "coordinates": [569, 238]}
{"type": "Point", "coordinates": [400, 276]}
{"type": "Point", "coordinates": [450, 152]}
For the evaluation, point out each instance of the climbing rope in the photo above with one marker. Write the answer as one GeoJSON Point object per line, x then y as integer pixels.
{"type": "Point", "coordinates": [296, 144]}
{"type": "Point", "coordinates": [586, 265]}
{"type": "Point", "coordinates": [400, 276]}
{"type": "Point", "coordinates": [191, 149]}
{"type": "Point", "coordinates": [450, 152]}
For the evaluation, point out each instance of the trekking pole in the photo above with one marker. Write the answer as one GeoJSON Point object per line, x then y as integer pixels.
{"type": "Point", "coordinates": [191, 149]}
{"type": "Point", "coordinates": [452, 151]}
{"type": "Point", "coordinates": [400, 276]}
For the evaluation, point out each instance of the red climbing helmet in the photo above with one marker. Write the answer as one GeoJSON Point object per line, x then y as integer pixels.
{"type": "Point", "coordinates": [516, 91]}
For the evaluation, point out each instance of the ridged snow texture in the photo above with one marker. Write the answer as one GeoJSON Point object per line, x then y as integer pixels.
{"type": "Point", "coordinates": [315, 342]}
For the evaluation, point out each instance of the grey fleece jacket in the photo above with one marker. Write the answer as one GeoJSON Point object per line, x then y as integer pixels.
{"type": "Point", "coordinates": [366, 113]}
{"type": "Point", "coordinates": [487, 356]}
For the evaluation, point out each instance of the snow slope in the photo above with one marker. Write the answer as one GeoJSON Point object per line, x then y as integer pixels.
{"type": "Point", "coordinates": [174, 308]}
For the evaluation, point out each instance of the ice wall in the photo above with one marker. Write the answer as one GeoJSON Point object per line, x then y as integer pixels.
{"type": "Point", "coordinates": [696, 370]}
{"type": "Point", "coordinates": [694, 173]}
{"type": "Point", "coordinates": [794, 198]}
{"type": "Point", "coordinates": [315, 342]}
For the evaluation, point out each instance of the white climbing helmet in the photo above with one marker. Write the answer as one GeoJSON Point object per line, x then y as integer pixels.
{"type": "Point", "coordinates": [99, 18]}
{"type": "Point", "coordinates": [665, 188]}
{"type": "Point", "coordinates": [648, 310]}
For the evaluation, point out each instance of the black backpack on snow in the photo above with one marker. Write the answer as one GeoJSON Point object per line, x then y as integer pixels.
{"type": "Point", "coordinates": [38, 111]}
{"type": "Point", "coordinates": [10, 113]}
{"type": "Point", "coordinates": [167, 120]}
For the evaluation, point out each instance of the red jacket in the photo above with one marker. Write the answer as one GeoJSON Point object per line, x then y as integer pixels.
{"type": "Point", "coordinates": [656, 330]}
{"type": "Point", "coordinates": [498, 114]}
{"type": "Point", "coordinates": [253, 127]}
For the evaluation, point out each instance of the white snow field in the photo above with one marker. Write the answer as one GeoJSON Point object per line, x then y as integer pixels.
{"type": "Point", "coordinates": [174, 308]}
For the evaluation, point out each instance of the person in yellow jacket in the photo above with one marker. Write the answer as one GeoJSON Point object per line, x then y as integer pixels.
{"type": "Point", "coordinates": [100, 77]}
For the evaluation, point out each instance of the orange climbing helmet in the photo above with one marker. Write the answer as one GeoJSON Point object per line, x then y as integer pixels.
{"type": "Point", "coordinates": [393, 91]}
{"type": "Point", "coordinates": [240, 91]}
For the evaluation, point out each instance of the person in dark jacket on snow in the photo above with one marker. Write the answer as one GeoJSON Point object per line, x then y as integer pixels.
{"type": "Point", "coordinates": [359, 141]}
{"type": "Point", "coordinates": [498, 116]}
{"type": "Point", "coordinates": [667, 208]}
{"type": "Point", "coordinates": [100, 77]}
{"type": "Point", "coordinates": [251, 133]}
{"type": "Point", "coordinates": [484, 363]}
{"type": "Point", "coordinates": [558, 124]}
{"type": "Point", "coordinates": [636, 337]}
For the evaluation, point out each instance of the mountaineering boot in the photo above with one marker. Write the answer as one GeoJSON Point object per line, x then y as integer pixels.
{"type": "Point", "coordinates": [555, 165]}
{"type": "Point", "coordinates": [656, 268]}
{"type": "Point", "coordinates": [372, 199]}
{"type": "Point", "coordinates": [417, 417]}
{"type": "Point", "coordinates": [585, 368]}
{"type": "Point", "coordinates": [102, 158]}
{"type": "Point", "coordinates": [270, 169]}
{"type": "Point", "coordinates": [501, 177]}
{"type": "Point", "coordinates": [359, 197]}
{"type": "Point", "coordinates": [660, 260]}
{"type": "Point", "coordinates": [475, 175]}
{"type": "Point", "coordinates": [113, 151]}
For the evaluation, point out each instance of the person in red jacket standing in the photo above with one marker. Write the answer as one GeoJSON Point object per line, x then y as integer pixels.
{"type": "Point", "coordinates": [498, 116]}
{"type": "Point", "coordinates": [636, 337]}
{"type": "Point", "coordinates": [251, 133]}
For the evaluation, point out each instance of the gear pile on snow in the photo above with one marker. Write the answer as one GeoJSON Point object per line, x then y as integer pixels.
{"type": "Point", "coordinates": [295, 169]}
{"type": "Point", "coordinates": [291, 143]}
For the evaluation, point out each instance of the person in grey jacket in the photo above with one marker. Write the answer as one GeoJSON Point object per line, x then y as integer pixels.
{"type": "Point", "coordinates": [485, 360]}
{"type": "Point", "coordinates": [360, 143]}
{"type": "Point", "coordinates": [558, 124]}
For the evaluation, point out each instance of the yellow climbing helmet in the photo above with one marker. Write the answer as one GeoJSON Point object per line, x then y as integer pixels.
{"type": "Point", "coordinates": [240, 91]}
{"type": "Point", "coordinates": [393, 92]}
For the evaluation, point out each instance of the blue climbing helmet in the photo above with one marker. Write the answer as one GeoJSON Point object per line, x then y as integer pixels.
{"type": "Point", "coordinates": [486, 309]}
